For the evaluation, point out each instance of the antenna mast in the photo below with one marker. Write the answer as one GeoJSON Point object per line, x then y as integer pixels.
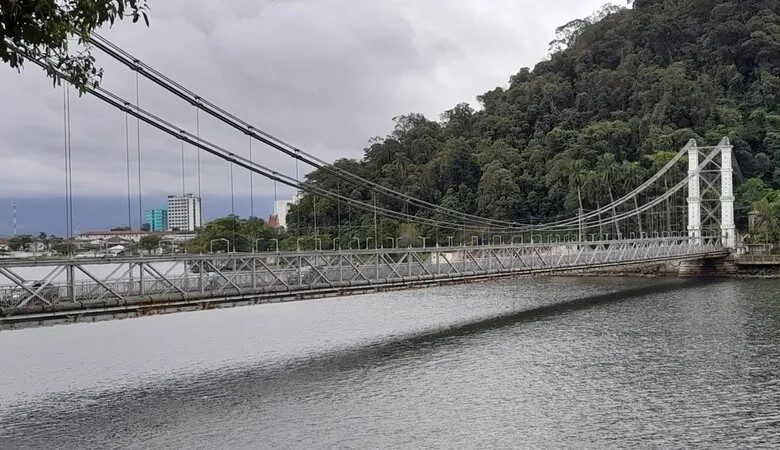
{"type": "Point", "coordinates": [14, 206]}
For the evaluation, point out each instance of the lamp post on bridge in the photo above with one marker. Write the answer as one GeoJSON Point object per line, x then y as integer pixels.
{"type": "Point", "coordinates": [227, 244]}
{"type": "Point", "coordinates": [162, 241]}
{"type": "Point", "coordinates": [257, 245]}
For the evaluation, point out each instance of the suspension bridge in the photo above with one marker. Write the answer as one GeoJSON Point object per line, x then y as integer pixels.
{"type": "Point", "coordinates": [675, 215]}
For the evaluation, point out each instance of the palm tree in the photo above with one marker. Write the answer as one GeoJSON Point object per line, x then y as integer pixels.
{"type": "Point", "coordinates": [568, 174]}
{"type": "Point", "coordinates": [609, 171]}
{"type": "Point", "coordinates": [633, 175]}
{"type": "Point", "coordinates": [657, 161]}
{"type": "Point", "coordinates": [577, 176]}
{"type": "Point", "coordinates": [594, 189]}
{"type": "Point", "coordinates": [768, 218]}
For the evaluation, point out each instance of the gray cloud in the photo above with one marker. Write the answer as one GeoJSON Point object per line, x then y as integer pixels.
{"type": "Point", "coordinates": [325, 75]}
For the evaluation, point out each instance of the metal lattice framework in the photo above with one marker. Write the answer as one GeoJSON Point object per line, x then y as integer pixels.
{"type": "Point", "coordinates": [67, 288]}
{"type": "Point", "coordinates": [711, 192]}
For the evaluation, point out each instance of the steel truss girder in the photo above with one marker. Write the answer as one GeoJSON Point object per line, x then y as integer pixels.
{"type": "Point", "coordinates": [215, 276]}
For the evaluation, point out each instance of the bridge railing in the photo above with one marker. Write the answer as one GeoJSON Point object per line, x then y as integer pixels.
{"type": "Point", "coordinates": [759, 259]}
{"type": "Point", "coordinates": [203, 276]}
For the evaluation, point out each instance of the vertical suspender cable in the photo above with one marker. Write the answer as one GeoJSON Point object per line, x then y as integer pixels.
{"type": "Point", "coordinates": [183, 176]}
{"type": "Point", "coordinates": [251, 183]}
{"type": "Point", "coordinates": [298, 205]}
{"type": "Point", "coordinates": [232, 192]}
{"type": "Point", "coordinates": [276, 212]}
{"type": "Point", "coordinates": [338, 211]}
{"type": "Point", "coordinates": [127, 167]}
{"type": "Point", "coordinates": [70, 170]}
{"type": "Point", "coordinates": [67, 172]}
{"type": "Point", "coordinates": [232, 206]}
{"type": "Point", "coordinates": [314, 199]}
{"type": "Point", "coordinates": [376, 231]}
{"type": "Point", "coordinates": [197, 135]}
{"type": "Point", "coordinates": [138, 147]}
{"type": "Point", "coordinates": [408, 222]}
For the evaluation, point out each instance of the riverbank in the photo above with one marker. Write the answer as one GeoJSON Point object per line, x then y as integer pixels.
{"type": "Point", "coordinates": [731, 267]}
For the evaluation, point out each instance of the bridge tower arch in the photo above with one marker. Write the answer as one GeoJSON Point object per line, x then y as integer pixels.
{"type": "Point", "coordinates": [711, 191]}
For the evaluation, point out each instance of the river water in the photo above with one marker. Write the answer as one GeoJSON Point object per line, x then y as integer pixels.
{"type": "Point", "coordinates": [528, 362]}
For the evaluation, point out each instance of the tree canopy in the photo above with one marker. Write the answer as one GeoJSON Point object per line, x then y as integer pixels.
{"type": "Point", "coordinates": [242, 235]}
{"type": "Point", "coordinates": [40, 29]}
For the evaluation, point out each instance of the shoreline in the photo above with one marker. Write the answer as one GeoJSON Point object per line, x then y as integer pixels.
{"type": "Point", "coordinates": [728, 269]}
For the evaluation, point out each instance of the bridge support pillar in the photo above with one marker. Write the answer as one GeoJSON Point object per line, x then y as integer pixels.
{"type": "Point", "coordinates": [710, 267]}
{"type": "Point", "coordinates": [694, 193]}
{"type": "Point", "coordinates": [727, 227]}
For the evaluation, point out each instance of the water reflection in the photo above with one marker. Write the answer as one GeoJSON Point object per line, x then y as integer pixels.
{"type": "Point", "coordinates": [524, 362]}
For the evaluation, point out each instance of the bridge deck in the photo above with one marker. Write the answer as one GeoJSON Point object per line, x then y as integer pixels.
{"type": "Point", "coordinates": [75, 290]}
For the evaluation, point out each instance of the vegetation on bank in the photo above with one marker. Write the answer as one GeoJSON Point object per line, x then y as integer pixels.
{"type": "Point", "coordinates": [764, 208]}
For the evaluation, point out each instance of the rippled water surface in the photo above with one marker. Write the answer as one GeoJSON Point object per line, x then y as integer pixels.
{"type": "Point", "coordinates": [525, 363]}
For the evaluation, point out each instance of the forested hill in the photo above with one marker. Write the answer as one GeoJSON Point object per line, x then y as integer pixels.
{"type": "Point", "coordinates": [622, 85]}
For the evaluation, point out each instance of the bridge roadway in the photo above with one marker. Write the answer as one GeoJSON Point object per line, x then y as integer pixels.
{"type": "Point", "coordinates": [47, 291]}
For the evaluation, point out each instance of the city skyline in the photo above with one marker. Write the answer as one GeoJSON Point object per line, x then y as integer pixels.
{"type": "Point", "coordinates": [34, 215]}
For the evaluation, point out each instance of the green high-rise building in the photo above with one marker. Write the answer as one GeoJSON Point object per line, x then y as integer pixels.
{"type": "Point", "coordinates": [156, 219]}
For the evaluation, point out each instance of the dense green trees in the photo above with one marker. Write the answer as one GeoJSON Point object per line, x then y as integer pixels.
{"type": "Point", "coordinates": [621, 90]}
{"type": "Point", "coordinates": [41, 29]}
{"type": "Point", "coordinates": [149, 242]}
{"type": "Point", "coordinates": [767, 225]}
{"type": "Point", "coordinates": [763, 201]}
{"type": "Point", "coordinates": [243, 235]}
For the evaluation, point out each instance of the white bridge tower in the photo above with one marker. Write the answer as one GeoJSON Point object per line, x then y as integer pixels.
{"type": "Point", "coordinates": [720, 189]}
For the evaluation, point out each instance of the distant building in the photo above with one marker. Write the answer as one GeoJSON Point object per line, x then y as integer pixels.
{"type": "Point", "coordinates": [179, 237]}
{"type": "Point", "coordinates": [281, 208]}
{"type": "Point", "coordinates": [157, 219]}
{"type": "Point", "coordinates": [116, 236]}
{"type": "Point", "coordinates": [35, 246]}
{"type": "Point", "coordinates": [184, 213]}
{"type": "Point", "coordinates": [273, 221]}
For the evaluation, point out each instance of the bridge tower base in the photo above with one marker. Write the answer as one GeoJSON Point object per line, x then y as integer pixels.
{"type": "Point", "coordinates": [710, 267]}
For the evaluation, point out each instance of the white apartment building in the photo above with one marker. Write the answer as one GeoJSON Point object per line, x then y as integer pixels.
{"type": "Point", "coordinates": [282, 207]}
{"type": "Point", "coordinates": [184, 213]}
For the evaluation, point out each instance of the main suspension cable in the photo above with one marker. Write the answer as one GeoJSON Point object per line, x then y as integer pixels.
{"type": "Point", "coordinates": [177, 89]}
{"type": "Point", "coordinates": [230, 119]}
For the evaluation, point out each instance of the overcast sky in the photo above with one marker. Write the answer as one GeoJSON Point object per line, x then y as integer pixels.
{"type": "Point", "coordinates": [325, 75]}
